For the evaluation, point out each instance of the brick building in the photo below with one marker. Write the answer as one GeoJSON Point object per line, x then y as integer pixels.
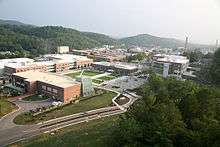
{"type": "Point", "coordinates": [58, 87]}
{"type": "Point", "coordinates": [53, 63]}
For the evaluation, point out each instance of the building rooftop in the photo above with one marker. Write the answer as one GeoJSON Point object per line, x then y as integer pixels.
{"type": "Point", "coordinates": [4, 62]}
{"type": "Point", "coordinates": [121, 65]}
{"type": "Point", "coordinates": [48, 78]}
{"type": "Point", "coordinates": [172, 58]}
{"type": "Point", "coordinates": [23, 64]}
{"type": "Point", "coordinates": [67, 57]}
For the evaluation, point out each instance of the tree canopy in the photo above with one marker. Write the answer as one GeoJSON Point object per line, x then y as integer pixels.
{"type": "Point", "coordinates": [171, 113]}
{"type": "Point", "coordinates": [215, 69]}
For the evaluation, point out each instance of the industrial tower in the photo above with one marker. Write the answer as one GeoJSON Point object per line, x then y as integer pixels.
{"type": "Point", "coordinates": [216, 45]}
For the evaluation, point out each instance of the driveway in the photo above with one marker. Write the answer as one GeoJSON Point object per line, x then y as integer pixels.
{"type": "Point", "coordinates": [6, 122]}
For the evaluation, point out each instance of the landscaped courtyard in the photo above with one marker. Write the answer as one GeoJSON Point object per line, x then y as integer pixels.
{"type": "Point", "coordinates": [103, 79]}
{"type": "Point", "coordinates": [35, 98]}
{"type": "Point", "coordinates": [87, 73]}
{"type": "Point", "coordinates": [95, 102]}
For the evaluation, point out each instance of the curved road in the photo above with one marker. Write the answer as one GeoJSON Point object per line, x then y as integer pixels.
{"type": "Point", "coordinates": [11, 133]}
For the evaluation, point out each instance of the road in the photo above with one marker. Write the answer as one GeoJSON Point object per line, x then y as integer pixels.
{"type": "Point", "coordinates": [11, 133]}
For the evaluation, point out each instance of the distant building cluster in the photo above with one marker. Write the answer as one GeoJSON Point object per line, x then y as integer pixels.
{"type": "Point", "coordinates": [103, 54]}
{"type": "Point", "coordinates": [39, 75]}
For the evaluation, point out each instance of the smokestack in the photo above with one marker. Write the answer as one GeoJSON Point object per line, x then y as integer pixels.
{"type": "Point", "coordinates": [186, 43]}
{"type": "Point", "coordinates": [216, 44]}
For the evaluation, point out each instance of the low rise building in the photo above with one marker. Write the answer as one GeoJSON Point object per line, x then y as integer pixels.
{"type": "Point", "coordinates": [4, 62]}
{"type": "Point", "coordinates": [63, 49]}
{"type": "Point", "coordinates": [174, 64]}
{"type": "Point", "coordinates": [116, 67]}
{"type": "Point", "coordinates": [54, 63]}
{"type": "Point", "coordinates": [57, 87]}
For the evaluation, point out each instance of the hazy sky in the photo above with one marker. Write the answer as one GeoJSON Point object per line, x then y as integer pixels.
{"type": "Point", "coordinates": [199, 19]}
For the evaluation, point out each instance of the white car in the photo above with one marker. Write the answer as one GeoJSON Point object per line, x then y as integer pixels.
{"type": "Point", "coordinates": [57, 103]}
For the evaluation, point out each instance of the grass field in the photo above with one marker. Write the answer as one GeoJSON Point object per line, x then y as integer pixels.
{"type": "Point", "coordinates": [97, 81]}
{"type": "Point", "coordinates": [85, 73]}
{"type": "Point", "coordinates": [86, 105]}
{"type": "Point", "coordinates": [107, 78]}
{"type": "Point", "coordinates": [103, 79]}
{"type": "Point", "coordinates": [35, 98]}
{"type": "Point", "coordinates": [96, 133]}
{"type": "Point", "coordinates": [6, 107]}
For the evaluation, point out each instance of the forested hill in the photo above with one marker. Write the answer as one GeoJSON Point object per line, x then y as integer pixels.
{"type": "Point", "coordinates": [42, 39]}
{"type": "Point", "coordinates": [146, 40]}
{"type": "Point", "coordinates": [102, 38]}
{"type": "Point", "coordinates": [17, 36]}
{"type": "Point", "coordinates": [12, 22]}
{"type": "Point", "coordinates": [149, 40]}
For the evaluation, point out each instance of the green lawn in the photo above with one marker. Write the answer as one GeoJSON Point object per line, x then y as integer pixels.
{"type": "Point", "coordinates": [35, 98]}
{"type": "Point", "coordinates": [97, 81]}
{"type": "Point", "coordinates": [86, 105]}
{"type": "Point", "coordinates": [96, 133]}
{"type": "Point", "coordinates": [103, 79]}
{"type": "Point", "coordinates": [6, 107]}
{"type": "Point", "coordinates": [107, 78]}
{"type": "Point", "coordinates": [85, 73]}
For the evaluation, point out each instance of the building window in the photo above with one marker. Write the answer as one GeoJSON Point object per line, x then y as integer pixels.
{"type": "Point", "coordinates": [49, 89]}
{"type": "Point", "coordinates": [44, 87]}
{"type": "Point", "coordinates": [55, 91]}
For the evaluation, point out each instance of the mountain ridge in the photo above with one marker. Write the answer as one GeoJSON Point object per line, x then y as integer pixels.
{"type": "Point", "coordinates": [16, 36]}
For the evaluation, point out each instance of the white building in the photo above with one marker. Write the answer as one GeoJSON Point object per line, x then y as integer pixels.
{"type": "Point", "coordinates": [177, 64]}
{"type": "Point", "coordinates": [14, 61]}
{"type": "Point", "coordinates": [63, 49]}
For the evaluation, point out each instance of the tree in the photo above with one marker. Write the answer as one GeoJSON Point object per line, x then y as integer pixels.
{"type": "Point", "coordinates": [138, 56]}
{"type": "Point", "coordinates": [215, 69]}
{"type": "Point", "coordinates": [195, 56]}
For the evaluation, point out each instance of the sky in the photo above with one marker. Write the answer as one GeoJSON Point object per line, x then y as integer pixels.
{"type": "Point", "coordinates": [198, 19]}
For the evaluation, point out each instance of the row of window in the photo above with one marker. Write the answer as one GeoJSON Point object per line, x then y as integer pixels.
{"type": "Point", "coordinates": [49, 89]}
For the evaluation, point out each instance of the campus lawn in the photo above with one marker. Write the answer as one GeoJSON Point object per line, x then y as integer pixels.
{"type": "Point", "coordinates": [6, 107]}
{"type": "Point", "coordinates": [107, 78]}
{"type": "Point", "coordinates": [85, 105]}
{"type": "Point", "coordinates": [96, 133]}
{"type": "Point", "coordinates": [35, 98]}
{"type": "Point", "coordinates": [85, 73]}
{"type": "Point", "coordinates": [97, 81]}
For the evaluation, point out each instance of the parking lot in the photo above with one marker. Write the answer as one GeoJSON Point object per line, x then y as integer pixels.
{"type": "Point", "coordinates": [125, 83]}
